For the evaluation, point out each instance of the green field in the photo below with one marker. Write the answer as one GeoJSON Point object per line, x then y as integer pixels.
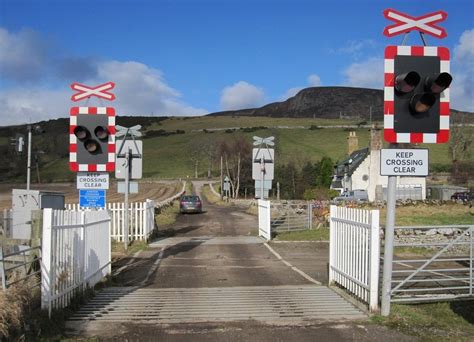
{"type": "Point", "coordinates": [172, 156]}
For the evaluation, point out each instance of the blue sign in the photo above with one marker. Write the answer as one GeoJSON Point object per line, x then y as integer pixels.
{"type": "Point", "coordinates": [92, 198]}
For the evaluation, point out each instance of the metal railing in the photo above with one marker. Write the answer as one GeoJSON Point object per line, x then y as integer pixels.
{"type": "Point", "coordinates": [432, 263]}
{"type": "Point", "coordinates": [291, 216]}
{"type": "Point", "coordinates": [18, 264]}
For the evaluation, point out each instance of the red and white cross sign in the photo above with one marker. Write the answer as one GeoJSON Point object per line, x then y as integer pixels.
{"type": "Point", "coordinates": [99, 91]}
{"type": "Point", "coordinates": [406, 23]}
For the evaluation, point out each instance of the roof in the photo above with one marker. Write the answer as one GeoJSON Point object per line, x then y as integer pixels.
{"type": "Point", "coordinates": [351, 163]}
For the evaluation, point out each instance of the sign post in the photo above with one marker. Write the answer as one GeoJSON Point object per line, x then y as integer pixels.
{"type": "Point", "coordinates": [263, 164]}
{"type": "Point", "coordinates": [126, 169]}
{"type": "Point", "coordinates": [416, 110]}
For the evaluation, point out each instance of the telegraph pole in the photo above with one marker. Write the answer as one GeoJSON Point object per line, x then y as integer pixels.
{"type": "Point", "coordinates": [28, 171]}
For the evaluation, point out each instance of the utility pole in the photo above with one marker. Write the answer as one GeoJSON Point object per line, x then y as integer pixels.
{"type": "Point", "coordinates": [28, 171]}
{"type": "Point", "coordinates": [222, 179]}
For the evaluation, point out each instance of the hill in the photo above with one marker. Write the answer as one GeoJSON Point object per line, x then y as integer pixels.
{"type": "Point", "coordinates": [302, 134]}
{"type": "Point", "coordinates": [323, 102]}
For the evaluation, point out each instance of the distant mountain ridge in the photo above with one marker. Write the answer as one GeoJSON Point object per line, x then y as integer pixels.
{"type": "Point", "coordinates": [322, 102]}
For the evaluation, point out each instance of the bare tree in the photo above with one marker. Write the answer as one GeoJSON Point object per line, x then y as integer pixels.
{"type": "Point", "coordinates": [461, 139]}
{"type": "Point", "coordinates": [233, 152]}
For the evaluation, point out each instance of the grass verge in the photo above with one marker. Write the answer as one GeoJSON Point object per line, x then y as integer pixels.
{"type": "Point", "coordinates": [167, 215]}
{"type": "Point", "coordinates": [212, 198]}
{"type": "Point", "coordinates": [453, 321]}
{"type": "Point", "coordinates": [321, 234]}
{"type": "Point", "coordinates": [429, 214]}
{"type": "Point", "coordinates": [133, 247]}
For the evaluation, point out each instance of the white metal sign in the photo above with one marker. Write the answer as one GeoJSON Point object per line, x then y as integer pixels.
{"type": "Point", "coordinates": [133, 187]}
{"type": "Point", "coordinates": [268, 154]}
{"type": "Point", "coordinates": [93, 180]}
{"type": "Point", "coordinates": [267, 184]}
{"type": "Point", "coordinates": [136, 163]}
{"type": "Point", "coordinates": [404, 162]}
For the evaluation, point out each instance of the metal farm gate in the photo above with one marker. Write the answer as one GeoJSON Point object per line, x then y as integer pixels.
{"type": "Point", "coordinates": [291, 216]}
{"type": "Point", "coordinates": [432, 263]}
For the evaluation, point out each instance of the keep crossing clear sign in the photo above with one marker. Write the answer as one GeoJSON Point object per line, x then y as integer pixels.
{"type": "Point", "coordinates": [93, 180]}
{"type": "Point", "coordinates": [404, 162]}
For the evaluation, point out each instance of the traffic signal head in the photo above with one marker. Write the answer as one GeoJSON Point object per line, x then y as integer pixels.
{"type": "Point", "coordinates": [416, 94]}
{"type": "Point", "coordinates": [92, 139]}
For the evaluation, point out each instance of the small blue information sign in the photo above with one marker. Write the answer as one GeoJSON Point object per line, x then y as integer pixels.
{"type": "Point", "coordinates": [92, 198]}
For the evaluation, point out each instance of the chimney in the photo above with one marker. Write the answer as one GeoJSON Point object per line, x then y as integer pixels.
{"type": "Point", "coordinates": [352, 143]}
{"type": "Point", "coordinates": [375, 138]}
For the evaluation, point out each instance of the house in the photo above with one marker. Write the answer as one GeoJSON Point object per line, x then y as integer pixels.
{"type": "Point", "coordinates": [361, 171]}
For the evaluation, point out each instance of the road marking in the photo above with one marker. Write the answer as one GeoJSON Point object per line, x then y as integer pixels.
{"type": "Point", "coordinates": [120, 269]}
{"type": "Point", "coordinates": [154, 267]}
{"type": "Point", "coordinates": [294, 268]}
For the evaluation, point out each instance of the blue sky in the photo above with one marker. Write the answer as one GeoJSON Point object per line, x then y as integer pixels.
{"type": "Point", "coordinates": [191, 57]}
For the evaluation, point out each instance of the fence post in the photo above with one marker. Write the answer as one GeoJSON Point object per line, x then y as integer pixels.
{"type": "Point", "coordinates": [310, 213]}
{"type": "Point", "coordinates": [2, 268]}
{"type": "Point", "coordinates": [374, 261]}
{"type": "Point", "coordinates": [46, 259]}
{"type": "Point", "coordinates": [332, 242]}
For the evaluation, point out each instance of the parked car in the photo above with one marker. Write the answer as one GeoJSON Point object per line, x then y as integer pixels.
{"type": "Point", "coordinates": [353, 195]}
{"type": "Point", "coordinates": [462, 196]}
{"type": "Point", "coordinates": [190, 204]}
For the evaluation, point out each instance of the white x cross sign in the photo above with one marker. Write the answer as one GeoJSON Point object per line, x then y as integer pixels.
{"type": "Point", "coordinates": [406, 23]}
{"type": "Point", "coordinates": [261, 141]}
{"type": "Point", "coordinates": [99, 91]}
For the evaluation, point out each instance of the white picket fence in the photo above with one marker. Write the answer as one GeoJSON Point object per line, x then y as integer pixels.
{"type": "Point", "coordinates": [76, 254]}
{"type": "Point", "coordinates": [354, 252]}
{"type": "Point", "coordinates": [141, 219]}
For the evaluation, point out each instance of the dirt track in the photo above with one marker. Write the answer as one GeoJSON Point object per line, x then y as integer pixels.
{"type": "Point", "coordinates": [147, 190]}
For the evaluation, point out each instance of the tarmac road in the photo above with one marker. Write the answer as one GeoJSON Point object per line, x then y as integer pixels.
{"type": "Point", "coordinates": [214, 280]}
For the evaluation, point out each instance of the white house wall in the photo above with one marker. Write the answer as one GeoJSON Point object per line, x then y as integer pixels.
{"type": "Point", "coordinates": [371, 167]}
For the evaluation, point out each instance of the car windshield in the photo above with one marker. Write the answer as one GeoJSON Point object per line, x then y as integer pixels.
{"type": "Point", "coordinates": [190, 199]}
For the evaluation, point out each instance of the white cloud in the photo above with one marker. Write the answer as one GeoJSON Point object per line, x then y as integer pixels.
{"type": "Point", "coordinates": [314, 80]}
{"type": "Point", "coordinates": [354, 48]}
{"type": "Point", "coordinates": [241, 95]}
{"type": "Point", "coordinates": [368, 74]}
{"type": "Point", "coordinates": [140, 89]}
{"type": "Point", "coordinates": [462, 88]}
{"type": "Point", "coordinates": [23, 56]}
{"type": "Point", "coordinates": [25, 105]}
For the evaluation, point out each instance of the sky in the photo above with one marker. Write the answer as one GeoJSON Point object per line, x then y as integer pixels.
{"type": "Point", "coordinates": [193, 57]}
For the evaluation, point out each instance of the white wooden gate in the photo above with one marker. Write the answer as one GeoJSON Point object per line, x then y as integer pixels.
{"type": "Point", "coordinates": [75, 254]}
{"type": "Point", "coordinates": [354, 252]}
{"type": "Point", "coordinates": [264, 228]}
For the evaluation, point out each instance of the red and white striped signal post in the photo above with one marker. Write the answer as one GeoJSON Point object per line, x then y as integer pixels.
{"type": "Point", "coordinates": [416, 109]}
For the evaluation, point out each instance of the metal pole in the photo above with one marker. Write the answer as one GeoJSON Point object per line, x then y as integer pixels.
{"type": "Point", "coordinates": [278, 191]}
{"type": "Point", "coordinates": [128, 158]}
{"type": "Point", "coordinates": [262, 188]}
{"type": "Point", "coordinates": [28, 171]}
{"type": "Point", "coordinates": [222, 181]}
{"type": "Point", "coordinates": [388, 252]}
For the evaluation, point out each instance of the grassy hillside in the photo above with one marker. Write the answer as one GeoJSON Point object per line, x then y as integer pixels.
{"type": "Point", "coordinates": [169, 156]}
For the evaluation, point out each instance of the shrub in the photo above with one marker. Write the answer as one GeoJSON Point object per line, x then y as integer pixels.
{"type": "Point", "coordinates": [320, 194]}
